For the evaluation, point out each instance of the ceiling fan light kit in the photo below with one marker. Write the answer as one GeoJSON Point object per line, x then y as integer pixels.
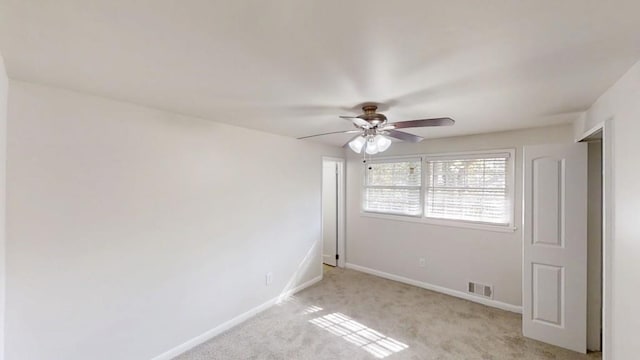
{"type": "Point", "coordinates": [372, 144]}
{"type": "Point", "coordinates": [357, 144]}
{"type": "Point", "coordinates": [375, 131]}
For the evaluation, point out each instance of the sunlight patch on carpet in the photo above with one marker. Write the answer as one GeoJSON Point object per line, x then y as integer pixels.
{"type": "Point", "coordinates": [376, 343]}
{"type": "Point", "coordinates": [311, 309]}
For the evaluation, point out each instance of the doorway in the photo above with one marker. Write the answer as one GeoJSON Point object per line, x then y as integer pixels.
{"type": "Point", "coordinates": [594, 241]}
{"type": "Point", "coordinates": [590, 255]}
{"type": "Point", "coordinates": [599, 139]}
{"type": "Point", "coordinates": [333, 211]}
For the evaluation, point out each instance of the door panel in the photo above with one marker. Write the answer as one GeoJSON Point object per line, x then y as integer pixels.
{"type": "Point", "coordinates": [555, 245]}
{"type": "Point", "coordinates": [547, 201]}
{"type": "Point", "coordinates": [548, 290]}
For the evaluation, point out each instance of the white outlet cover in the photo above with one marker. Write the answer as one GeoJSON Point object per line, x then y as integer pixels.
{"type": "Point", "coordinates": [422, 262]}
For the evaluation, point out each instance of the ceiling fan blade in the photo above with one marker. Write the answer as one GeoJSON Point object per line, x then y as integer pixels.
{"type": "Point", "coordinates": [420, 123]}
{"type": "Point", "coordinates": [357, 121]}
{"type": "Point", "coordinates": [401, 135]}
{"type": "Point", "coordinates": [329, 133]}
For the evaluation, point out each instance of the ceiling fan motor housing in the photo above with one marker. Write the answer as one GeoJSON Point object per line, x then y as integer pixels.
{"type": "Point", "coordinates": [371, 116]}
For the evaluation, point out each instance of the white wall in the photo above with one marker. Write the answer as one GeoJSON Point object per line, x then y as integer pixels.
{"type": "Point", "coordinates": [453, 255]}
{"type": "Point", "coordinates": [132, 230]}
{"type": "Point", "coordinates": [4, 89]}
{"type": "Point", "coordinates": [621, 107]}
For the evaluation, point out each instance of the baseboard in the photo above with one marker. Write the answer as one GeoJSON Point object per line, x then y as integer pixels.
{"type": "Point", "coordinates": [436, 288]}
{"type": "Point", "coordinates": [299, 288]}
{"type": "Point", "coordinates": [208, 335]}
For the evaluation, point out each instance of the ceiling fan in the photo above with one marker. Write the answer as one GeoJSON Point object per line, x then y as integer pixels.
{"type": "Point", "coordinates": [374, 131]}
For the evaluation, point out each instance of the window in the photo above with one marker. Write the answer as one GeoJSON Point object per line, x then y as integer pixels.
{"type": "Point", "coordinates": [473, 189]}
{"type": "Point", "coordinates": [394, 187]}
{"type": "Point", "coordinates": [469, 188]}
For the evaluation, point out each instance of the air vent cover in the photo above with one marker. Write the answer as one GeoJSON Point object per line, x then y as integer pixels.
{"type": "Point", "coordinates": [480, 289]}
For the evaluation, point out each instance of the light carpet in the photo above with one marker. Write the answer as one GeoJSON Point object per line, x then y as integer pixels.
{"type": "Point", "coordinates": [352, 315]}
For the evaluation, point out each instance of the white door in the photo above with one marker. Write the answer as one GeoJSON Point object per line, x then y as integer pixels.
{"type": "Point", "coordinates": [329, 212]}
{"type": "Point", "coordinates": [555, 245]}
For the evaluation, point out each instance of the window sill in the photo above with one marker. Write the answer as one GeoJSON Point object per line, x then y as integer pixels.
{"type": "Point", "coordinates": [439, 222]}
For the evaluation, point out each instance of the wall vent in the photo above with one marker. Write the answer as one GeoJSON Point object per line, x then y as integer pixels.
{"type": "Point", "coordinates": [480, 290]}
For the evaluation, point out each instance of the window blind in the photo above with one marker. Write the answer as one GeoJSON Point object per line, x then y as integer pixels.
{"type": "Point", "coordinates": [470, 189]}
{"type": "Point", "coordinates": [394, 187]}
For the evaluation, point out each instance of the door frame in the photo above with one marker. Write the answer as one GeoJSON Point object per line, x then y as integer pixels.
{"type": "Point", "coordinates": [607, 227]}
{"type": "Point", "coordinates": [341, 209]}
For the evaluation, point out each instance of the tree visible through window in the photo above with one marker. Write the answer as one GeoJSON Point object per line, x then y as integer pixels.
{"type": "Point", "coordinates": [394, 187]}
{"type": "Point", "coordinates": [470, 189]}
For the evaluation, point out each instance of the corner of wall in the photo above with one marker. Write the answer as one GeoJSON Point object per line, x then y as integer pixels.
{"type": "Point", "coordinates": [579, 126]}
{"type": "Point", "coordinates": [4, 93]}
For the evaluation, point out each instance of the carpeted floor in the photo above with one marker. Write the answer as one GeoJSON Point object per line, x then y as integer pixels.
{"type": "Point", "coordinates": [352, 315]}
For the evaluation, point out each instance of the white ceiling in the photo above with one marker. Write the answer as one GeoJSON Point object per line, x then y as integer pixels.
{"type": "Point", "coordinates": [291, 66]}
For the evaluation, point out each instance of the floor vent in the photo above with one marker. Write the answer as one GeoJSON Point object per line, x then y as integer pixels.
{"type": "Point", "coordinates": [480, 290]}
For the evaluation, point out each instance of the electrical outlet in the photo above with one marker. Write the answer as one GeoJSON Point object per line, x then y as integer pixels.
{"type": "Point", "coordinates": [268, 278]}
{"type": "Point", "coordinates": [422, 262]}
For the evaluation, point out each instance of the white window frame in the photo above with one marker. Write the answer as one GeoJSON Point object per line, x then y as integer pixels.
{"type": "Point", "coordinates": [510, 227]}
{"type": "Point", "coordinates": [392, 159]}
